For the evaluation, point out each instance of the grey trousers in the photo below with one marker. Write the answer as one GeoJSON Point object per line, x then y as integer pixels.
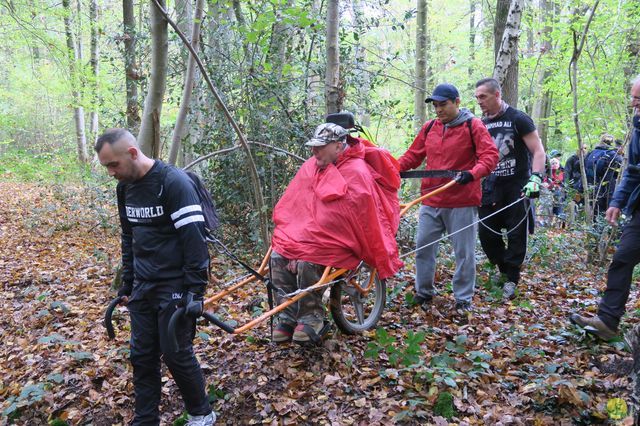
{"type": "Point", "coordinates": [308, 310]}
{"type": "Point", "coordinates": [432, 224]}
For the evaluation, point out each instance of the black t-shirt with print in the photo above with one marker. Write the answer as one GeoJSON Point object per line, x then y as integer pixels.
{"type": "Point", "coordinates": [514, 163]}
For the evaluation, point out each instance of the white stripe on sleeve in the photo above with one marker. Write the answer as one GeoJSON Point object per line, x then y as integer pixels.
{"type": "Point", "coordinates": [190, 219]}
{"type": "Point", "coordinates": [185, 210]}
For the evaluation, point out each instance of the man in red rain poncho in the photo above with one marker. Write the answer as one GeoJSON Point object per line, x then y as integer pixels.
{"type": "Point", "coordinates": [337, 211]}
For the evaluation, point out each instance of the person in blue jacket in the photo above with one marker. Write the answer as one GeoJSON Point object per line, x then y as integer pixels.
{"type": "Point", "coordinates": [625, 199]}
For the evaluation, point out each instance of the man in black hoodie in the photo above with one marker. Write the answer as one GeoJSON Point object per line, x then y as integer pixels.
{"type": "Point", "coordinates": [164, 260]}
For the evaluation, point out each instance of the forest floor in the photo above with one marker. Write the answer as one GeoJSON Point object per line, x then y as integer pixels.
{"type": "Point", "coordinates": [514, 363]}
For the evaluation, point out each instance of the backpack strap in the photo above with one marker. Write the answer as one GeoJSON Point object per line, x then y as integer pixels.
{"type": "Point", "coordinates": [469, 125]}
{"type": "Point", "coordinates": [428, 129]}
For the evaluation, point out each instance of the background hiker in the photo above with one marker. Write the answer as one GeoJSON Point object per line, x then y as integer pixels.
{"type": "Point", "coordinates": [627, 256]}
{"type": "Point", "coordinates": [602, 165]}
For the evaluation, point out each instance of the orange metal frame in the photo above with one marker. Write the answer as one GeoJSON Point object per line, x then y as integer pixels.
{"type": "Point", "coordinates": [327, 277]}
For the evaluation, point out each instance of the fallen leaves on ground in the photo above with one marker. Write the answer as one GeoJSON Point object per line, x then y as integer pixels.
{"type": "Point", "coordinates": [514, 363]}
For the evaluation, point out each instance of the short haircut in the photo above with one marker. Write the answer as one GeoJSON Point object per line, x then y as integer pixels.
{"type": "Point", "coordinates": [110, 136]}
{"type": "Point", "coordinates": [492, 83]}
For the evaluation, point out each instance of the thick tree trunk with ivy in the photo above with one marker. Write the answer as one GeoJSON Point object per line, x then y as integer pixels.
{"type": "Point", "coordinates": [131, 69]}
{"type": "Point", "coordinates": [178, 130]}
{"type": "Point", "coordinates": [333, 99]}
{"type": "Point", "coordinates": [149, 136]}
{"type": "Point", "coordinates": [507, 34]}
{"type": "Point", "coordinates": [78, 110]}
{"type": "Point", "coordinates": [420, 89]}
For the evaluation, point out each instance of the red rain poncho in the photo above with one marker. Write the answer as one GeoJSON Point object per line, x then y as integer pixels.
{"type": "Point", "coordinates": [343, 214]}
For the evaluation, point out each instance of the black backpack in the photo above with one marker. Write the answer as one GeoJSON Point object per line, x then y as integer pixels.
{"type": "Point", "coordinates": [598, 164]}
{"type": "Point", "coordinates": [211, 221]}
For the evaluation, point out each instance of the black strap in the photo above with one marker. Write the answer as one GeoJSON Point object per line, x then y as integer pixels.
{"type": "Point", "coordinates": [419, 174]}
{"type": "Point", "coordinates": [225, 250]}
{"type": "Point", "coordinates": [469, 125]}
{"type": "Point", "coordinates": [428, 129]}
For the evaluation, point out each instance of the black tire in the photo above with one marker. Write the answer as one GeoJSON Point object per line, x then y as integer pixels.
{"type": "Point", "coordinates": [346, 300]}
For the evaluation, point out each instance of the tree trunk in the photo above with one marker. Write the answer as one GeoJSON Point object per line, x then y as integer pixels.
{"type": "Point", "coordinates": [361, 76]}
{"type": "Point", "coordinates": [131, 69]}
{"type": "Point", "coordinates": [78, 110]}
{"type": "Point", "coordinates": [573, 75]}
{"type": "Point", "coordinates": [95, 68]}
{"type": "Point", "coordinates": [472, 49]}
{"type": "Point", "coordinates": [313, 80]}
{"type": "Point", "coordinates": [542, 105]}
{"type": "Point", "coordinates": [280, 32]}
{"type": "Point", "coordinates": [333, 99]}
{"type": "Point", "coordinates": [507, 34]}
{"type": "Point", "coordinates": [148, 138]}
{"type": "Point", "coordinates": [178, 131]}
{"type": "Point", "coordinates": [420, 90]}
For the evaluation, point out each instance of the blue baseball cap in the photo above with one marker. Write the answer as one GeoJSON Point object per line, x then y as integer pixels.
{"type": "Point", "coordinates": [444, 92]}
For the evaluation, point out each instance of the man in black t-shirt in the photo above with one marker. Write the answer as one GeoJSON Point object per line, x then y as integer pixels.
{"type": "Point", "coordinates": [521, 152]}
{"type": "Point", "coordinates": [165, 259]}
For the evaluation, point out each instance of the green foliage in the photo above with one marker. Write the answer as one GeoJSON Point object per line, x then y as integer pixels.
{"type": "Point", "coordinates": [405, 353]}
{"type": "Point", "coordinates": [182, 420]}
{"type": "Point", "coordinates": [30, 166]}
{"type": "Point", "coordinates": [30, 394]}
{"type": "Point", "coordinates": [444, 406]}
{"type": "Point", "coordinates": [215, 393]}
{"type": "Point", "coordinates": [58, 422]}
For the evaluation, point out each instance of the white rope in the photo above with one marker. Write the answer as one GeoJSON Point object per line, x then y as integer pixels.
{"type": "Point", "coordinates": [462, 229]}
{"type": "Point", "coordinates": [526, 215]}
{"type": "Point", "coordinates": [307, 289]}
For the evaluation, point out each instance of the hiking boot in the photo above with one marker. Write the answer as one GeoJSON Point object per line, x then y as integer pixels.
{"type": "Point", "coordinates": [423, 301]}
{"type": "Point", "coordinates": [463, 307]}
{"type": "Point", "coordinates": [308, 332]}
{"type": "Point", "coordinates": [208, 420]}
{"type": "Point", "coordinates": [594, 325]}
{"type": "Point", "coordinates": [283, 332]}
{"type": "Point", "coordinates": [508, 291]}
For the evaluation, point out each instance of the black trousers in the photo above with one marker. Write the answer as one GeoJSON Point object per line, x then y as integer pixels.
{"type": "Point", "coordinates": [507, 255]}
{"type": "Point", "coordinates": [626, 257]}
{"type": "Point", "coordinates": [150, 313]}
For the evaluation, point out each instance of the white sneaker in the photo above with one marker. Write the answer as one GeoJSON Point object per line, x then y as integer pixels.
{"type": "Point", "coordinates": [208, 420]}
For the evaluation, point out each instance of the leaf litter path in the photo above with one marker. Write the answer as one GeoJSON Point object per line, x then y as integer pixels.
{"type": "Point", "coordinates": [519, 363]}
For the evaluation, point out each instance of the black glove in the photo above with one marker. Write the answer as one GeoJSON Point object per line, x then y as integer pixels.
{"type": "Point", "coordinates": [194, 302]}
{"type": "Point", "coordinates": [464, 177]}
{"type": "Point", "coordinates": [125, 290]}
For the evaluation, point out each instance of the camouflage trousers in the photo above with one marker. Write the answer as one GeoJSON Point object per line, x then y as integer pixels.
{"type": "Point", "coordinates": [308, 310]}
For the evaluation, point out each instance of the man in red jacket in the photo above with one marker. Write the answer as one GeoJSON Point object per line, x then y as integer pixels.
{"type": "Point", "coordinates": [338, 210]}
{"type": "Point", "coordinates": [456, 141]}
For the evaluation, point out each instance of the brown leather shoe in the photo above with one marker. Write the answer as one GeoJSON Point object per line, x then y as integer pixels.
{"type": "Point", "coordinates": [594, 325]}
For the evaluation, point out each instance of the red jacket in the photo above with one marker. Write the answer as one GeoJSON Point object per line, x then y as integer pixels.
{"type": "Point", "coordinates": [340, 215]}
{"type": "Point", "coordinates": [451, 148]}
